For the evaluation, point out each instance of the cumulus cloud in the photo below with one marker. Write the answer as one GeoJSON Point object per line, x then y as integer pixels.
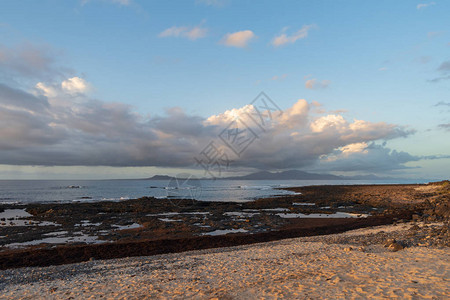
{"type": "Point", "coordinates": [192, 33]}
{"type": "Point", "coordinates": [75, 85]}
{"type": "Point", "coordinates": [297, 139]}
{"type": "Point", "coordinates": [370, 157]}
{"type": "Point", "coordinates": [70, 87]}
{"type": "Point", "coordinates": [284, 38]}
{"type": "Point", "coordinates": [314, 84]}
{"type": "Point", "coordinates": [425, 5]}
{"type": "Point", "coordinates": [53, 127]}
{"type": "Point", "coordinates": [239, 39]}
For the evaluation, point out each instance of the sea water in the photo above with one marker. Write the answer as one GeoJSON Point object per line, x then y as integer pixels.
{"type": "Point", "coordinates": [64, 191]}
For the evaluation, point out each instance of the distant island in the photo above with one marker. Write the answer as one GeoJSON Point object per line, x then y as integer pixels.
{"type": "Point", "coordinates": [287, 175]}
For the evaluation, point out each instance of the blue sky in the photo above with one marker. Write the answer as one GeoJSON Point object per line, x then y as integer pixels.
{"type": "Point", "coordinates": [377, 61]}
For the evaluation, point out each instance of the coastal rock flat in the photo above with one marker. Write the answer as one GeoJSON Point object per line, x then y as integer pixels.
{"type": "Point", "coordinates": [351, 264]}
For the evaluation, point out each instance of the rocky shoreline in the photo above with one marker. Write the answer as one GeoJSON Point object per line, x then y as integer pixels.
{"type": "Point", "coordinates": [149, 226]}
{"type": "Point", "coordinates": [353, 265]}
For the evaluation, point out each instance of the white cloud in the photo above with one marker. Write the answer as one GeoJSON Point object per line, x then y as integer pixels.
{"type": "Point", "coordinates": [57, 128]}
{"type": "Point", "coordinates": [238, 39]}
{"type": "Point", "coordinates": [425, 5]}
{"type": "Point", "coordinates": [192, 33]}
{"type": "Point", "coordinates": [314, 84]}
{"type": "Point", "coordinates": [329, 122]}
{"type": "Point", "coordinates": [366, 157]}
{"type": "Point", "coordinates": [46, 90]}
{"type": "Point", "coordinates": [354, 148]}
{"type": "Point", "coordinates": [75, 85]}
{"type": "Point", "coordinates": [284, 38]}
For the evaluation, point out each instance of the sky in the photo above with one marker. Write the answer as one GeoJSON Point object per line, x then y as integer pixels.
{"type": "Point", "coordinates": [97, 89]}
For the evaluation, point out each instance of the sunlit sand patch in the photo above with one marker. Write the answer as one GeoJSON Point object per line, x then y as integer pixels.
{"type": "Point", "coordinates": [427, 188]}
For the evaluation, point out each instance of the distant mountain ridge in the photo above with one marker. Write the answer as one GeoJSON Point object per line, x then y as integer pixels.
{"type": "Point", "coordinates": [286, 175]}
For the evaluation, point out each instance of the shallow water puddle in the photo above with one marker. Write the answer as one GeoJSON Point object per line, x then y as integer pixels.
{"type": "Point", "coordinates": [16, 217]}
{"type": "Point", "coordinates": [80, 237]}
{"type": "Point", "coordinates": [201, 225]}
{"type": "Point", "coordinates": [225, 231]}
{"type": "Point", "coordinates": [178, 213]}
{"type": "Point", "coordinates": [86, 223]}
{"type": "Point", "coordinates": [168, 220]}
{"type": "Point", "coordinates": [240, 214]}
{"type": "Point", "coordinates": [123, 227]}
{"type": "Point", "coordinates": [322, 216]}
{"type": "Point", "coordinates": [303, 203]}
{"type": "Point", "coordinates": [275, 209]}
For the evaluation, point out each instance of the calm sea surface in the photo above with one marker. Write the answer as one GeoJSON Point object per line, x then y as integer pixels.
{"type": "Point", "coordinates": [32, 191]}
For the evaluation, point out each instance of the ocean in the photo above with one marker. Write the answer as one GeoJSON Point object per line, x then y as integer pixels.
{"type": "Point", "coordinates": [64, 191]}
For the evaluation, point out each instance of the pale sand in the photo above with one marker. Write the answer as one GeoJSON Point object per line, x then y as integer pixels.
{"type": "Point", "coordinates": [302, 268]}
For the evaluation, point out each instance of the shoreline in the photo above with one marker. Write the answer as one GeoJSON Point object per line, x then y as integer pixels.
{"type": "Point", "coordinates": [353, 264]}
{"type": "Point", "coordinates": [264, 220]}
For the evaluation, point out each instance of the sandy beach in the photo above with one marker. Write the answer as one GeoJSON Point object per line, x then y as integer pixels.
{"type": "Point", "coordinates": [400, 251]}
{"type": "Point", "coordinates": [354, 264]}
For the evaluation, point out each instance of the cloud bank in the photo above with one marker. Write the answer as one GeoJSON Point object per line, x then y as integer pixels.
{"type": "Point", "coordinates": [60, 125]}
